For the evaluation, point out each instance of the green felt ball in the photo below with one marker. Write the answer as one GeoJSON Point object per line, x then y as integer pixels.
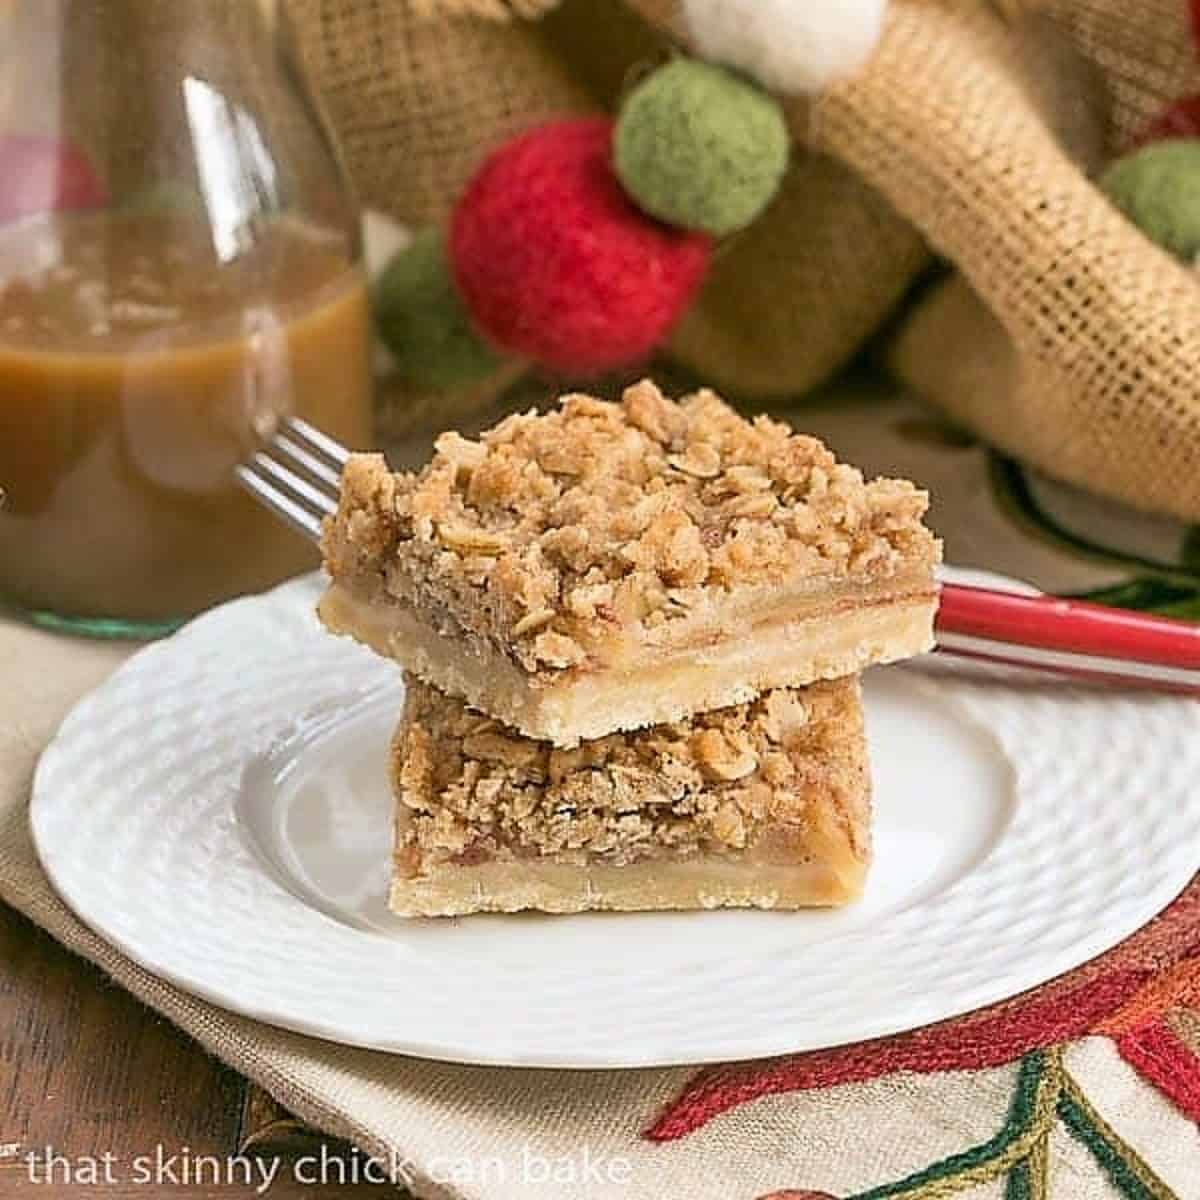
{"type": "Point", "coordinates": [166, 197]}
{"type": "Point", "coordinates": [422, 321]}
{"type": "Point", "coordinates": [700, 147]}
{"type": "Point", "coordinates": [1158, 189]}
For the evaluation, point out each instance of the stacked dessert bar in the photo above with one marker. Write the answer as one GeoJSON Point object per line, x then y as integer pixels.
{"type": "Point", "coordinates": [632, 635]}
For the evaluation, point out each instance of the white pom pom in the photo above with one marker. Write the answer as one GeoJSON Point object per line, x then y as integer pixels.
{"type": "Point", "coordinates": [788, 45]}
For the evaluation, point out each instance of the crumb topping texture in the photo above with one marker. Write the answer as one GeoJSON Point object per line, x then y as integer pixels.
{"type": "Point", "coordinates": [621, 516]}
{"type": "Point", "coordinates": [754, 775]}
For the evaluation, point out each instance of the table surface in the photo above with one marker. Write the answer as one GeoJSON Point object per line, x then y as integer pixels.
{"type": "Point", "coordinates": [88, 1070]}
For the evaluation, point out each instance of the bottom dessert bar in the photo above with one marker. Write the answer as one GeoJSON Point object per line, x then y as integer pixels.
{"type": "Point", "coordinates": [763, 805]}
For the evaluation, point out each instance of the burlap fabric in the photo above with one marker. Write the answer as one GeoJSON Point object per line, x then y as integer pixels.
{"type": "Point", "coordinates": [973, 138]}
{"type": "Point", "coordinates": [962, 128]}
{"type": "Point", "coordinates": [418, 100]}
{"type": "Point", "coordinates": [1083, 355]}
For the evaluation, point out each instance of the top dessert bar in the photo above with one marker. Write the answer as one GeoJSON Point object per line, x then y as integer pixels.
{"type": "Point", "coordinates": [608, 566]}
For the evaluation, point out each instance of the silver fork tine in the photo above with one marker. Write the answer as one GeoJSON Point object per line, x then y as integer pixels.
{"type": "Point", "coordinates": [289, 481]}
{"type": "Point", "coordinates": [300, 518]}
{"type": "Point", "coordinates": [298, 476]}
{"type": "Point", "coordinates": [287, 448]}
{"type": "Point", "coordinates": [313, 439]}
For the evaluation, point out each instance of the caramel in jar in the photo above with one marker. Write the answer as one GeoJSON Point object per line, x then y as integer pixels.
{"type": "Point", "coordinates": [136, 370]}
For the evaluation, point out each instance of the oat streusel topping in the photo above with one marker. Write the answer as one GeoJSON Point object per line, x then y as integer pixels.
{"type": "Point", "coordinates": [475, 791]}
{"type": "Point", "coordinates": [628, 515]}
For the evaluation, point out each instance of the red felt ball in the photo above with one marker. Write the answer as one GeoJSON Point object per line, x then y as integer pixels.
{"type": "Point", "coordinates": [42, 174]}
{"type": "Point", "coordinates": [556, 264]}
{"type": "Point", "coordinates": [1179, 120]}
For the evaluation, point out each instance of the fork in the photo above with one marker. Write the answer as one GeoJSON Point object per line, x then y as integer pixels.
{"type": "Point", "coordinates": [298, 477]}
{"type": "Point", "coordinates": [299, 480]}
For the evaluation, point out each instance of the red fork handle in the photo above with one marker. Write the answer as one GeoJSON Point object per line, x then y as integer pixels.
{"type": "Point", "coordinates": [1068, 626]}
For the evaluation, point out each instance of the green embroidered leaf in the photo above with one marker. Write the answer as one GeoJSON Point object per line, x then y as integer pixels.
{"type": "Point", "coordinates": [1030, 1113]}
{"type": "Point", "coordinates": [1127, 1170]}
{"type": "Point", "coordinates": [1189, 553]}
{"type": "Point", "coordinates": [1029, 1179]}
{"type": "Point", "coordinates": [1020, 1183]}
{"type": "Point", "coordinates": [1015, 499]}
{"type": "Point", "coordinates": [1151, 594]}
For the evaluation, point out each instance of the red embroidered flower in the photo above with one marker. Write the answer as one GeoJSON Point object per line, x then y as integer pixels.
{"type": "Point", "coordinates": [1134, 995]}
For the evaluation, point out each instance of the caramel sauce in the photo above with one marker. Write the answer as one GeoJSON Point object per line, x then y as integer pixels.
{"type": "Point", "coordinates": [136, 370]}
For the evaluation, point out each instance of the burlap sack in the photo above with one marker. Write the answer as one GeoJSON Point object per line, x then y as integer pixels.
{"type": "Point", "coordinates": [1080, 350]}
{"type": "Point", "coordinates": [795, 295]}
{"type": "Point", "coordinates": [417, 100]}
{"type": "Point", "coordinates": [969, 125]}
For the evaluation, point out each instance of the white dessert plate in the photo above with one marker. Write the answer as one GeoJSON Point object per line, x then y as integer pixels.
{"type": "Point", "coordinates": [218, 810]}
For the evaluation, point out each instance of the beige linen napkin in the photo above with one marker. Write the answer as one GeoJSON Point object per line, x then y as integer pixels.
{"type": "Point", "coordinates": [466, 1133]}
{"type": "Point", "coordinates": [451, 1131]}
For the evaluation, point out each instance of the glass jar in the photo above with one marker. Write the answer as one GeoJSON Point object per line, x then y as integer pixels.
{"type": "Point", "coordinates": [180, 264]}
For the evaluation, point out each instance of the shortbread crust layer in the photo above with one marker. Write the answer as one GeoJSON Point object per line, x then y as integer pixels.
{"type": "Point", "coordinates": [665, 684]}
{"type": "Point", "coordinates": [701, 883]}
{"type": "Point", "coordinates": [764, 804]}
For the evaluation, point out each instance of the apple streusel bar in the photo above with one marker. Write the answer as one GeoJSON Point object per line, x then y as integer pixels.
{"type": "Point", "coordinates": [764, 804]}
{"type": "Point", "coordinates": [613, 566]}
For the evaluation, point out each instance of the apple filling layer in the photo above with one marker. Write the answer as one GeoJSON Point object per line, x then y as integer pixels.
{"type": "Point", "coordinates": [763, 804]}
{"type": "Point", "coordinates": [663, 683]}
